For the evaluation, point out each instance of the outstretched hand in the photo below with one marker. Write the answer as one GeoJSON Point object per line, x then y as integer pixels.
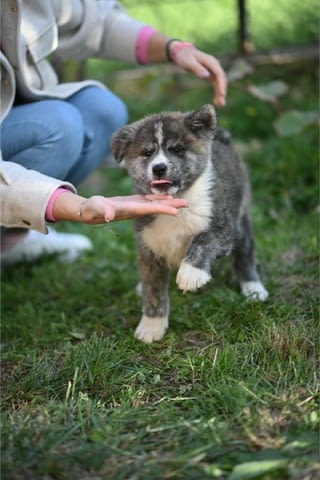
{"type": "Point", "coordinates": [98, 209]}
{"type": "Point", "coordinates": [207, 67]}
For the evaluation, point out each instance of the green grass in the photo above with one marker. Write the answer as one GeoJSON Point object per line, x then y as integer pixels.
{"type": "Point", "coordinates": [231, 392]}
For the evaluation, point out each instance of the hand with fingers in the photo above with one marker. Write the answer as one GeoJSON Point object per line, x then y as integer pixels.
{"type": "Point", "coordinates": [185, 55]}
{"type": "Point", "coordinates": [98, 209]}
{"type": "Point", "coordinates": [203, 65]}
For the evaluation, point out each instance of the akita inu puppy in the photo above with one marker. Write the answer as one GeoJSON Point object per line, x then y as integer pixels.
{"type": "Point", "coordinates": [186, 155]}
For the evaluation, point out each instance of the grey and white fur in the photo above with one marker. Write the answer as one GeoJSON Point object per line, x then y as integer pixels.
{"type": "Point", "coordinates": [186, 155]}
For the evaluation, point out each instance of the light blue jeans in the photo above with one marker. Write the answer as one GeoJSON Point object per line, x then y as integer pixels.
{"type": "Point", "coordinates": [65, 139]}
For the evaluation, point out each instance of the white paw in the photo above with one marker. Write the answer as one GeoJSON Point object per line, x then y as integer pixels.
{"type": "Point", "coordinates": [151, 329]}
{"type": "Point", "coordinates": [254, 290]}
{"type": "Point", "coordinates": [190, 278]}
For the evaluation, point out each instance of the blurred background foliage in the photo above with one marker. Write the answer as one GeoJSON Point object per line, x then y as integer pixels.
{"type": "Point", "coordinates": [214, 27]}
{"type": "Point", "coordinates": [213, 24]}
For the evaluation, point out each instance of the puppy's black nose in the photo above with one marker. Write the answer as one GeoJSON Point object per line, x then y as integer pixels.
{"type": "Point", "coordinates": [159, 169]}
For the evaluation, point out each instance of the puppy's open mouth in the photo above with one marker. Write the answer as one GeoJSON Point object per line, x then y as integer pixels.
{"type": "Point", "coordinates": [163, 186]}
{"type": "Point", "coordinates": [161, 183]}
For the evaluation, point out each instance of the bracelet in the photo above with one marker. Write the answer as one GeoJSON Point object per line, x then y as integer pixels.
{"type": "Point", "coordinates": [167, 48]}
{"type": "Point", "coordinates": [80, 209]}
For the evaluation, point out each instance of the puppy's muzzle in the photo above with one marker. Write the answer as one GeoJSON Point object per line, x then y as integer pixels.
{"type": "Point", "coordinates": [161, 184]}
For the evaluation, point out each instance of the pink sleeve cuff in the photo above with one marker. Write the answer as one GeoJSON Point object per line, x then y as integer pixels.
{"type": "Point", "coordinates": [49, 214]}
{"type": "Point", "coordinates": [142, 44]}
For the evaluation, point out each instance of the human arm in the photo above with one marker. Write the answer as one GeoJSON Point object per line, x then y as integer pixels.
{"type": "Point", "coordinates": [113, 34]}
{"type": "Point", "coordinates": [25, 195]}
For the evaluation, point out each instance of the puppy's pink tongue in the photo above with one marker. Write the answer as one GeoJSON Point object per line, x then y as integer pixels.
{"type": "Point", "coordinates": [154, 183]}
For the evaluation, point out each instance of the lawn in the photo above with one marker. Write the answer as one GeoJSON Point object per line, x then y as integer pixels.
{"type": "Point", "coordinates": [231, 392]}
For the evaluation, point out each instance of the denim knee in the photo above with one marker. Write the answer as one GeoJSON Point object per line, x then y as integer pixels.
{"type": "Point", "coordinates": [100, 108]}
{"type": "Point", "coordinates": [114, 111]}
{"type": "Point", "coordinates": [102, 114]}
{"type": "Point", "coordinates": [67, 133]}
{"type": "Point", "coordinates": [46, 136]}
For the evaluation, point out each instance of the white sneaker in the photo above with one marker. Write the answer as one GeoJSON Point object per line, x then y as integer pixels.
{"type": "Point", "coordinates": [68, 246]}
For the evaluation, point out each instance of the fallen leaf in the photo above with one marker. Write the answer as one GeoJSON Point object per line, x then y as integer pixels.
{"type": "Point", "coordinates": [77, 335]}
{"type": "Point", "coordinates": [248, 470]}
{"type": "Point", "coordinates": [268, 92]}
{"type": "Point", "coordinates": [293, 122]}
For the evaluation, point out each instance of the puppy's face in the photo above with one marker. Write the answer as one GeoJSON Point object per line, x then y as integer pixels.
{"type": "Point", "coordinates": [165, 153]}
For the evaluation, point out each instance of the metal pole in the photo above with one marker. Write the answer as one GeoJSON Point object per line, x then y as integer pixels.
{"type": "Point", "coordinates": [244, 44]}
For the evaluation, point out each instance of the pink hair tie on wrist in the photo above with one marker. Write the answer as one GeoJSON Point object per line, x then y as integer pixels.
{"type": "Point", "coordinates": [49, 210]}
{"type": "Point", "coordinates": [175, 49]}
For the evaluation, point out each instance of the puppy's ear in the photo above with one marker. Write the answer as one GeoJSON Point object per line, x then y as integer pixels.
{"type": "Point", "coordinates": [203, 118]}
{"type": "Point", "coordinates": [121, 140]}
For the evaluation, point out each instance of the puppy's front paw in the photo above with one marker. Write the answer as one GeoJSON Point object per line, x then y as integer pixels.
{"type": "Point", "coordinates": [254, 291]}
{"type": "Point", "coordinates": [151, 329]}
{"type": "Point", "coordinates": [190, 278]}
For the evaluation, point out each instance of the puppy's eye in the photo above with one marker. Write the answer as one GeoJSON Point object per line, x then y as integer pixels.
{"type": "Point", "coordinates": [147, 152]}
{"type": "Point", "coordinates": [177, 149]}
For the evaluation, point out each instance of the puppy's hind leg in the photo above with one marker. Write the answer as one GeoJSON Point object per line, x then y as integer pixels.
{"type": "Point", "coordinates": [154, 289]}
{"type": "Point", "coordinates": [245, 267]}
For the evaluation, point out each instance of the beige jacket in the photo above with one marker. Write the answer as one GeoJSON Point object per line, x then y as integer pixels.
{"type": "Point", "coordinates": [31, 30]}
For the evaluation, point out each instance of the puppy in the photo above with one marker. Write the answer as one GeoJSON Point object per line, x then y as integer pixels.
{"type": "Point", "coordinates": [188, 156]}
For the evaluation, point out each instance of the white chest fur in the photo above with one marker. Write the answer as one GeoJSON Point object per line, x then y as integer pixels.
{"type": "Point", "coordinates": [169, 237]}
